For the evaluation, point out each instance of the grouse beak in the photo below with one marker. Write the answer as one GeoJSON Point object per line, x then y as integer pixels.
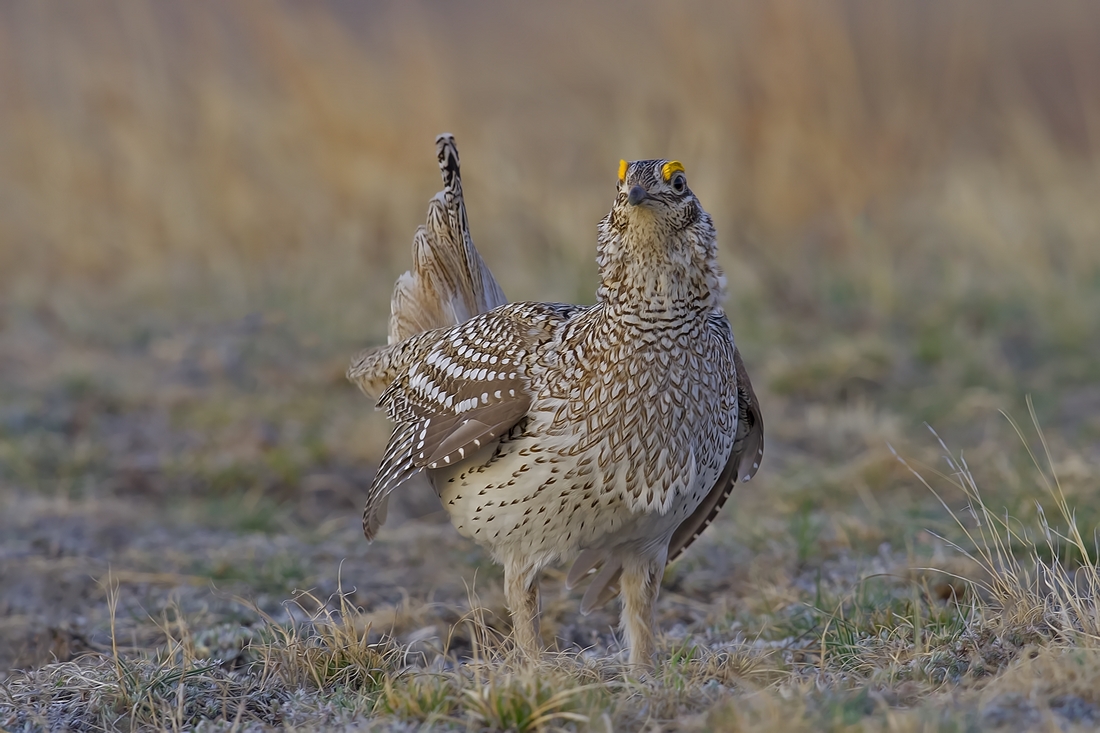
{"type": "Point", "coordinates": [637, 195]}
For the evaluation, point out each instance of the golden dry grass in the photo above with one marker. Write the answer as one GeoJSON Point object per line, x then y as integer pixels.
{"type": "Point", "coordinates": [242, 145]}
{"type": "Point", "coordinates": [202, 210]}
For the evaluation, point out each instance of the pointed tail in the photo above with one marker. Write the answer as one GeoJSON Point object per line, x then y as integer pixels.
{"type": "Point", "coordinates": [449, 282]}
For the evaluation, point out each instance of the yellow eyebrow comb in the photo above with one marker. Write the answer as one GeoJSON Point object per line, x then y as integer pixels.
{"type": "Point", "coordinates": [671, 167]}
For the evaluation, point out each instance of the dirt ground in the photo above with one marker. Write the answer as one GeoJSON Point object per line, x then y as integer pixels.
{"type": "Point", "coordinates": [197, 480]}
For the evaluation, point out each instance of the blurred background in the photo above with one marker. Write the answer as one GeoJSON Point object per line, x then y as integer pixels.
{"type": "Point", "coordinates": [203, 207]}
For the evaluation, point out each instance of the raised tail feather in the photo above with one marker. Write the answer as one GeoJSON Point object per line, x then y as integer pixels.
{"type": "Point", "coordinates": [448, 284]}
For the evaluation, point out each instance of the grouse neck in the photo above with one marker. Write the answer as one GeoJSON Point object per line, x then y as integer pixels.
{"type": "Point", "coordinates": [660, 282]}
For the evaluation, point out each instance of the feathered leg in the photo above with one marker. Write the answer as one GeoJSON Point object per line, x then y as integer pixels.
{"type": "Point", "coordinates": [521, 590]}
{"type": "Point", "coordinates": [641, 583]}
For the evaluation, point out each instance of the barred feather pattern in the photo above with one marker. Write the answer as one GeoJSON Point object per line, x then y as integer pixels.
{"type": "Point", "coordinates": [462, 389]}
{"type": "Point", "coordinates": [553, 432]}
{"type": "Point", "coordinates": [449, 282]}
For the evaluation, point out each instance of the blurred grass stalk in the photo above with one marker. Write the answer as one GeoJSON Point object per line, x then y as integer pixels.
{"type": "Point", "coordinates": [873, 162]}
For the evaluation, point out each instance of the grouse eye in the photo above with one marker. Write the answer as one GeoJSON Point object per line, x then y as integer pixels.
{"type": "Point", "coordinates": [679, 183]}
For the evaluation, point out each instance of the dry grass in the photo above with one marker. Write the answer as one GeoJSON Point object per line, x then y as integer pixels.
{"type": "Point", "coordinates": [202, 210]}
{"type": "Point", "coordinates": [1022, 642]}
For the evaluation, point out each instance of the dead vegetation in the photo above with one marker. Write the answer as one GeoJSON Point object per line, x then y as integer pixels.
{"type": "Point", "coordinates": [202, 210]}
{"type": "Point", "coordinates": [1018, 639]}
